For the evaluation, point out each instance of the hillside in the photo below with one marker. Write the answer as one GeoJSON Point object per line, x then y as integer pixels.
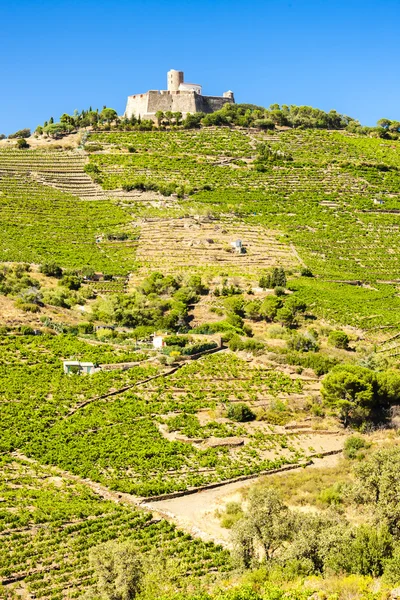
{"type": "Point", "coordinates": [271, 356]}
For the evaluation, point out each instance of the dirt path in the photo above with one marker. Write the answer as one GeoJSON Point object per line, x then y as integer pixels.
{"type": "Point", "coordinates": [196, 513]}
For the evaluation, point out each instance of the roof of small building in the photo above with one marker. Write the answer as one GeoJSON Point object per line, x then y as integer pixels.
{"type": "Point", "coordinates": [77, 363]}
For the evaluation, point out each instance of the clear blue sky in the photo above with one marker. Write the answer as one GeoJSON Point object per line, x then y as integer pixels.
{"type": "Point", "coordinates": [58, 55]}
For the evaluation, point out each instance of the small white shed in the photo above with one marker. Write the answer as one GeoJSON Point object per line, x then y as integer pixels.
{"type": "Point", "coordinates": [158, 342]}
{"type": "Point", "coordinates": [237, 246]}
{"type": "Point", "coordinates": [78, 367]}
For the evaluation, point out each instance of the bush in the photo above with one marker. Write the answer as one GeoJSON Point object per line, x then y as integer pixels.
{"type": "Point", "coordinates": [279, 291]}
{"type": "Point", "coordinates": [285, 317]}
{"type": "Point", "coordinates": [176, 340]}
{"type": "Point", "coordinates": [22, 144]}
{"type": "Point", "coordinates": [27, 306]}
{"type": "Point", "coordinates": [319, 363]}
{"type": "Point", "coordinates": [51, 270]}
{"type": "Point", "coordinates": [269, 307]}
{"type": "Point", "coordinates": [352, 445]}
{"type": "Point", "coordinates": [240, 412]}
{"type": "Point", "coordinates": [26, 330]}
{"type": "Point", "coordinates": [91, 169]}
{"type": "Point", "coordinates": [339, 339]}
{"type": "Point", "coordinates": [391, 573]}
{"type": "Point", "coordinates": [198, 348]}
{"type": "Point", "coordinates": [105, 334]}
{"type": "Point", "coordinates": [85, 328]}
{"type": "Point", "coordinates": [236, 343]}
{"type": "Point", "coordinates": [306, 272]}
{"type": "Point", "coordinates": [72, 282]}
{"type": "Point", "coordinates": [331, 496]}
{"type": "Point", "coordinates": [302, 342]}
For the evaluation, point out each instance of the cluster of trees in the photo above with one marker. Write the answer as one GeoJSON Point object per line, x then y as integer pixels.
{"type": "Point", "coordinates": [20, 134]}
{"type": "Point", "coordinates": [241, 115]}
{"type": "Point", "coordinates": [85, 118]}
{"type": "Point", "coordinates": [266, 155]}
{"type": "Point", "coordinates": [250, 115]}
{"type": "Point", "coordinates": [385, 129]}
{"type": "Point", "coordinates": [270, 533]}
{"type": "Point", "coordinates": [282, 309]}
{"type": "Point", "coordinates": [277, 278]}
{"type": "Point", "coordinates": [357, 394]}
{"type": "Point", "coordinates": [161, 302]}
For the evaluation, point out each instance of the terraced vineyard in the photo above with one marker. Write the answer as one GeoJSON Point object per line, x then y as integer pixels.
{"type": "Point", "coordinates": [122, 440]}
{"type": "Point", "coordinates": [323, 200]}
{"type": "Point", "coordinates": [206, 247]}
{"type": "Point", "coordinates": [49, 523]}
{"type": "Point", "coordinates": [150, 424]}
{"type": "Point", "coordinates": [40, 223]}
{"type": "Point", "coordinates": [62, 170]}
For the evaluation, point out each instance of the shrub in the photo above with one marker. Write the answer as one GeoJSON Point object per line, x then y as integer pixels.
{"type": "Point", "coordinates": [352, 445]}
{"type": "Point", "coordinates": [285, 317]}
{"type": "Point", "coordinates": [319, 363]}
{"type": "Point", "coordinates": [338, 339]}
{"type": "Point", "coordinates": [236, 343]}
{"type": "Point", "coordinates": [105, 334]}
{"type": "Point", "coordinates": [198, 348]}
{"type": "Point", "coordinates": [269, 307]}
{"type": "Point", "coordinates": [72, 282]}
{"type": "Point", "coordinates": [27, 306]}
{"type": "Point", "coordinates": [85, 328]}
{"type": "Point", "coordinates": [331, 495]}
{"type": "Point", "coordinates": [93, 147]}
{"type": "Point", "coordinates": [391, 573]}
{"type": "Point", "coordinates": [26, 330]}
{"type": "Point", "coordinates": [233, 512]}
{"type": "Point", "coordinates": [302, 342]}
{"type": "Point", "coordinates": [51, 270]}
{"type": "Point", "coordinates": [279, 291]}
{"type": "Point", "coordinates": [306, 272]}
{"type": "Point", "coordinates": [22, 144]}
{"type": "Point", "coordinates": [176, 340]}
{"type": "Point", "coordinates": [91, 169]}
{"type": "Point", "coordinates": [240, 412]}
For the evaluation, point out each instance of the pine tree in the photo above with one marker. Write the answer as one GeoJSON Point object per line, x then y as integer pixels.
{"type": "Point", "coordinates": [265, 282]}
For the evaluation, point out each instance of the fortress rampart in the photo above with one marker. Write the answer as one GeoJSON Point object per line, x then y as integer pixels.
{"type": "Point", "coordinates": [180, 97]}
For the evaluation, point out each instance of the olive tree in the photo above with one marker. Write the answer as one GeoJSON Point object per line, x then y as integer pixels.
{"type": "Point", "coordinates": [119, 570]}
{"type": "Point", "coordinates": [264, 528]}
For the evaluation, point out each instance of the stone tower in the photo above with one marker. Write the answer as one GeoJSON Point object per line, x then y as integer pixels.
{"type": "Point", "coordinates": [174, 79]}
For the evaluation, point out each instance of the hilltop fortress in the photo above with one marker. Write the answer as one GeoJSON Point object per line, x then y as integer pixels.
{"type": "Point", "coordinates": [179, 97]}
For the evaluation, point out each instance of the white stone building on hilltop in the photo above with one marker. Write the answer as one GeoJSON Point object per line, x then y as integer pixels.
{"type": "Point", "coordinates": [180, 97]}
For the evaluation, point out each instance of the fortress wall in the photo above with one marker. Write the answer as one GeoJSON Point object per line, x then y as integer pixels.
{"type": "Point", "coordinates": [183, 102]}
{"type": "Point", "coordinates": [137, 105]}
{"type": "Point", "coordinates": [209, 104]}
{"type": "Point", "coordinates": [146, 105]}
